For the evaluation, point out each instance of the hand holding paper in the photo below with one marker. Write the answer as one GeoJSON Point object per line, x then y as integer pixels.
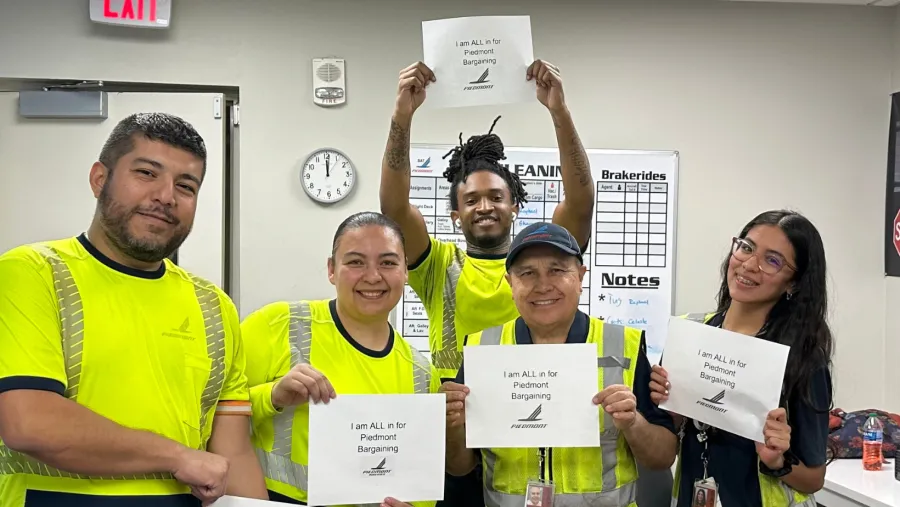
{"type": "Point", "coordinates": [456, 403]}
{"type": "Point", "coordinates": [659, 384]}
{"type": "Point", "coordinates": [411, 89]}
{"type": "Point", "coordinates": [620, 403]}
{"type": "Point", "coordinates": [549, 84]}
{"type": "Point", "coordinates": [777, 436]}
{"type": "Point", "coordinates": [301, 385]}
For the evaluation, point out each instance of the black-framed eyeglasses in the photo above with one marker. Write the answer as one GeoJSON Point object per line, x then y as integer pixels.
{"type": "Point", "coordinates": [770, 263]}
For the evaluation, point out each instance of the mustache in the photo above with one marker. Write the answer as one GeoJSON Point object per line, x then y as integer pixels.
{"type": "Point", "coordinates": [160, 212]}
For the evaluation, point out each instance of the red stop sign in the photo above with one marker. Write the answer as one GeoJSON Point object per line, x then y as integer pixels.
{"type": "Point", "coordinates": [895, 232]}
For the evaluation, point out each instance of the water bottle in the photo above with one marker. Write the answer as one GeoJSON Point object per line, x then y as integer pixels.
{"type": "Point", "coordinates": [873, 436]}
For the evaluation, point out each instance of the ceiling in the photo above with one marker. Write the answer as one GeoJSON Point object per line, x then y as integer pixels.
{"type": "Point", "coordinates": [875, 3]}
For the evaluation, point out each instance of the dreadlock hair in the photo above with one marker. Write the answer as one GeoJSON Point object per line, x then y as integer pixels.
{"type": "Point", "coordinates": [481, 153]}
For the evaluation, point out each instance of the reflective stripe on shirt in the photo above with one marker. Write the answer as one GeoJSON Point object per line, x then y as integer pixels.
{"type": "Point", "coordinates": [449, 357]}
{"type": "Point", "coordinates": [71, 319]}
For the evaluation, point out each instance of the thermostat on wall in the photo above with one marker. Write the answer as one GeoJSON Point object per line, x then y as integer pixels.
{"type": "Point", "coordinates": [328, 81]}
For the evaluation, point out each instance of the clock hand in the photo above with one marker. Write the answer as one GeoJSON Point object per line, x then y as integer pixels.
{"type": "Point", "coordinates": [327, 166]}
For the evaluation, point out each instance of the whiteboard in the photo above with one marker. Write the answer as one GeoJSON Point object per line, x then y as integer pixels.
{"type": "Point", "coordinates": [631, 253]}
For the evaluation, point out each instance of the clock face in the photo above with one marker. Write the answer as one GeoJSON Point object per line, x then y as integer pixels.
{"type": "Point", "coordinates": [328, 176]}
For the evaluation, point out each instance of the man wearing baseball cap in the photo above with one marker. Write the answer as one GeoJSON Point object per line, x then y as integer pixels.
{"type": "Point", "coordinates": [545, 270]}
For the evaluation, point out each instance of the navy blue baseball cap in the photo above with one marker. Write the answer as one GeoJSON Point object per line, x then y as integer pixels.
{"type": "Point", "coordinates": [543, 233]}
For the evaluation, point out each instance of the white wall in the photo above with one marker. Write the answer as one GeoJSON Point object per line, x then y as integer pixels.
{"type": "Point", "coordinates": [770, 105]}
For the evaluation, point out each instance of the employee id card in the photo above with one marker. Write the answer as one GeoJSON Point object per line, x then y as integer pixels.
{"type": "Point", "coordinates": [539, 494]}
{"type": "Point", "coordinates": [706, 493]}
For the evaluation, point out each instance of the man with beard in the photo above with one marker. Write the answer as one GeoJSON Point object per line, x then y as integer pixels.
{"type": "Point", "coordinates": [122, 375]}
{"type": "Point", "coordinates": [465, 291]}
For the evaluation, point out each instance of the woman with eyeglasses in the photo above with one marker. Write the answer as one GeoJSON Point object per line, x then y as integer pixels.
{"type": "Point", "coordinates": [773, 287]}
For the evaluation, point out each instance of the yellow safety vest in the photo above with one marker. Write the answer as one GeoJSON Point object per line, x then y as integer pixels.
{"type": "Point", "coordinates": [774, 492]}
{"type": "Point", "coordinates": [72, 330]}
{"type": "Point", "coordinates": [604, 475]}
{"type": "Point", "coordinates": [277, 463]}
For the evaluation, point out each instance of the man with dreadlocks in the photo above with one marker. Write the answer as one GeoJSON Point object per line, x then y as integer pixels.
{"type": "Point", "coordinates": [465, 291]}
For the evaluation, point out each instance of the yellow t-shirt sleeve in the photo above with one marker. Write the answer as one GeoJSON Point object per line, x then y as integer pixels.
{"type": "Point", "coordinates": [235, 396]}
{"type": "Point", "coordinates": [31, 354]}
{"type": "Point", "coordinates": [427, 275]}
{"type": "Point", "coordinates": [265, 334]}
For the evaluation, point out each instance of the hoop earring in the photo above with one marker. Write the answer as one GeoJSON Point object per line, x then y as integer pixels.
{"type": "Point", "coordinates": [458, 223]}
{"type": "Point", "coordinates": [514, 216]}
{"type": "Point", "coordinates": [789, 295]}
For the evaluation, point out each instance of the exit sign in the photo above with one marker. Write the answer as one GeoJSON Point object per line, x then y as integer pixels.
{"type": "Point", "coordinates": [137, 13]}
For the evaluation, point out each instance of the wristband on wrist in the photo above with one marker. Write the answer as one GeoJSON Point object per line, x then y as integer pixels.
{"type": "Point", "coordinates": [789, 461]}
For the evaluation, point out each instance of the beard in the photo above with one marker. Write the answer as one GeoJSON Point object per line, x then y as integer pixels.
{"type": "Point", "coordinates": [487, 241]}
{"type": "Point", "coordinates": [114, 220]}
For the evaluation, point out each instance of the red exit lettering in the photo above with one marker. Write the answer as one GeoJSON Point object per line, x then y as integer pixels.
{"type": "Point", "coordinates": [129, 11]}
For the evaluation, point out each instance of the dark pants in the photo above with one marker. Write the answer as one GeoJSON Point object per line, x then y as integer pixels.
{"type": "Point", "coordinates": [654, 487]}
{"type": "Point", "coordinates": [463, 491]}
{"type": "Point", "coordinates": [52, 499]}
{"type": "Point", "coordinates": [278, 497]}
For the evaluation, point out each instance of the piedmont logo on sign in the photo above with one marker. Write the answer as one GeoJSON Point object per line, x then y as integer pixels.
{"type": "Point", "coordinates": [482, 83]}
{"type": "Point", "coordinates": [714, 402]}
{"type": "Point", "coordinates": [531, 421]}
{"type": "Point", "coordinates": [135, 13]}
{"type": "Point", "coordinates": [378, 470]}
{"type": "Point", "coordinates": [483, 78]}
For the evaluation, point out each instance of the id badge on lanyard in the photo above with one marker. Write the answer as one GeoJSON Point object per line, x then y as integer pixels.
{"type": "Point", "coordinates": [706, 491]}
{"type": "Point", "coordinates": [539, 492]}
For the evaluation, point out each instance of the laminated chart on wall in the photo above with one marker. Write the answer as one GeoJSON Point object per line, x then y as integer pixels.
{"type": "Point", "coordinates": [631, 253]}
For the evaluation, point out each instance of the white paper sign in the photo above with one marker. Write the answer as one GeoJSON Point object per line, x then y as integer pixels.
{"type": "Point", "coordinates": [478, 60]}
{"type": "Point", "coordinates": [532, 396]}
{"type": "Point", "coordinates": [236, 501]}
{"type": "Point", "coordinates": [722, 378]}
{"type": "Point", "coordinates": [364, 448]}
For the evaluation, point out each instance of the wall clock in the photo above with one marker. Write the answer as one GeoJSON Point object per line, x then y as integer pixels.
{"type": "Point", "coordinates": [328, 175]}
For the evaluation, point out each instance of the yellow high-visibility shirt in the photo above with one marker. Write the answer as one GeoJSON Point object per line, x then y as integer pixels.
{"type": "Point", "coordinates": [157, 351]}
{"type": "Point", "coordinates": [604, 475]}
{"type": "Point", "coordinates": [462, 294]}
{"type": "Point", "coordinates": [313, 331]}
